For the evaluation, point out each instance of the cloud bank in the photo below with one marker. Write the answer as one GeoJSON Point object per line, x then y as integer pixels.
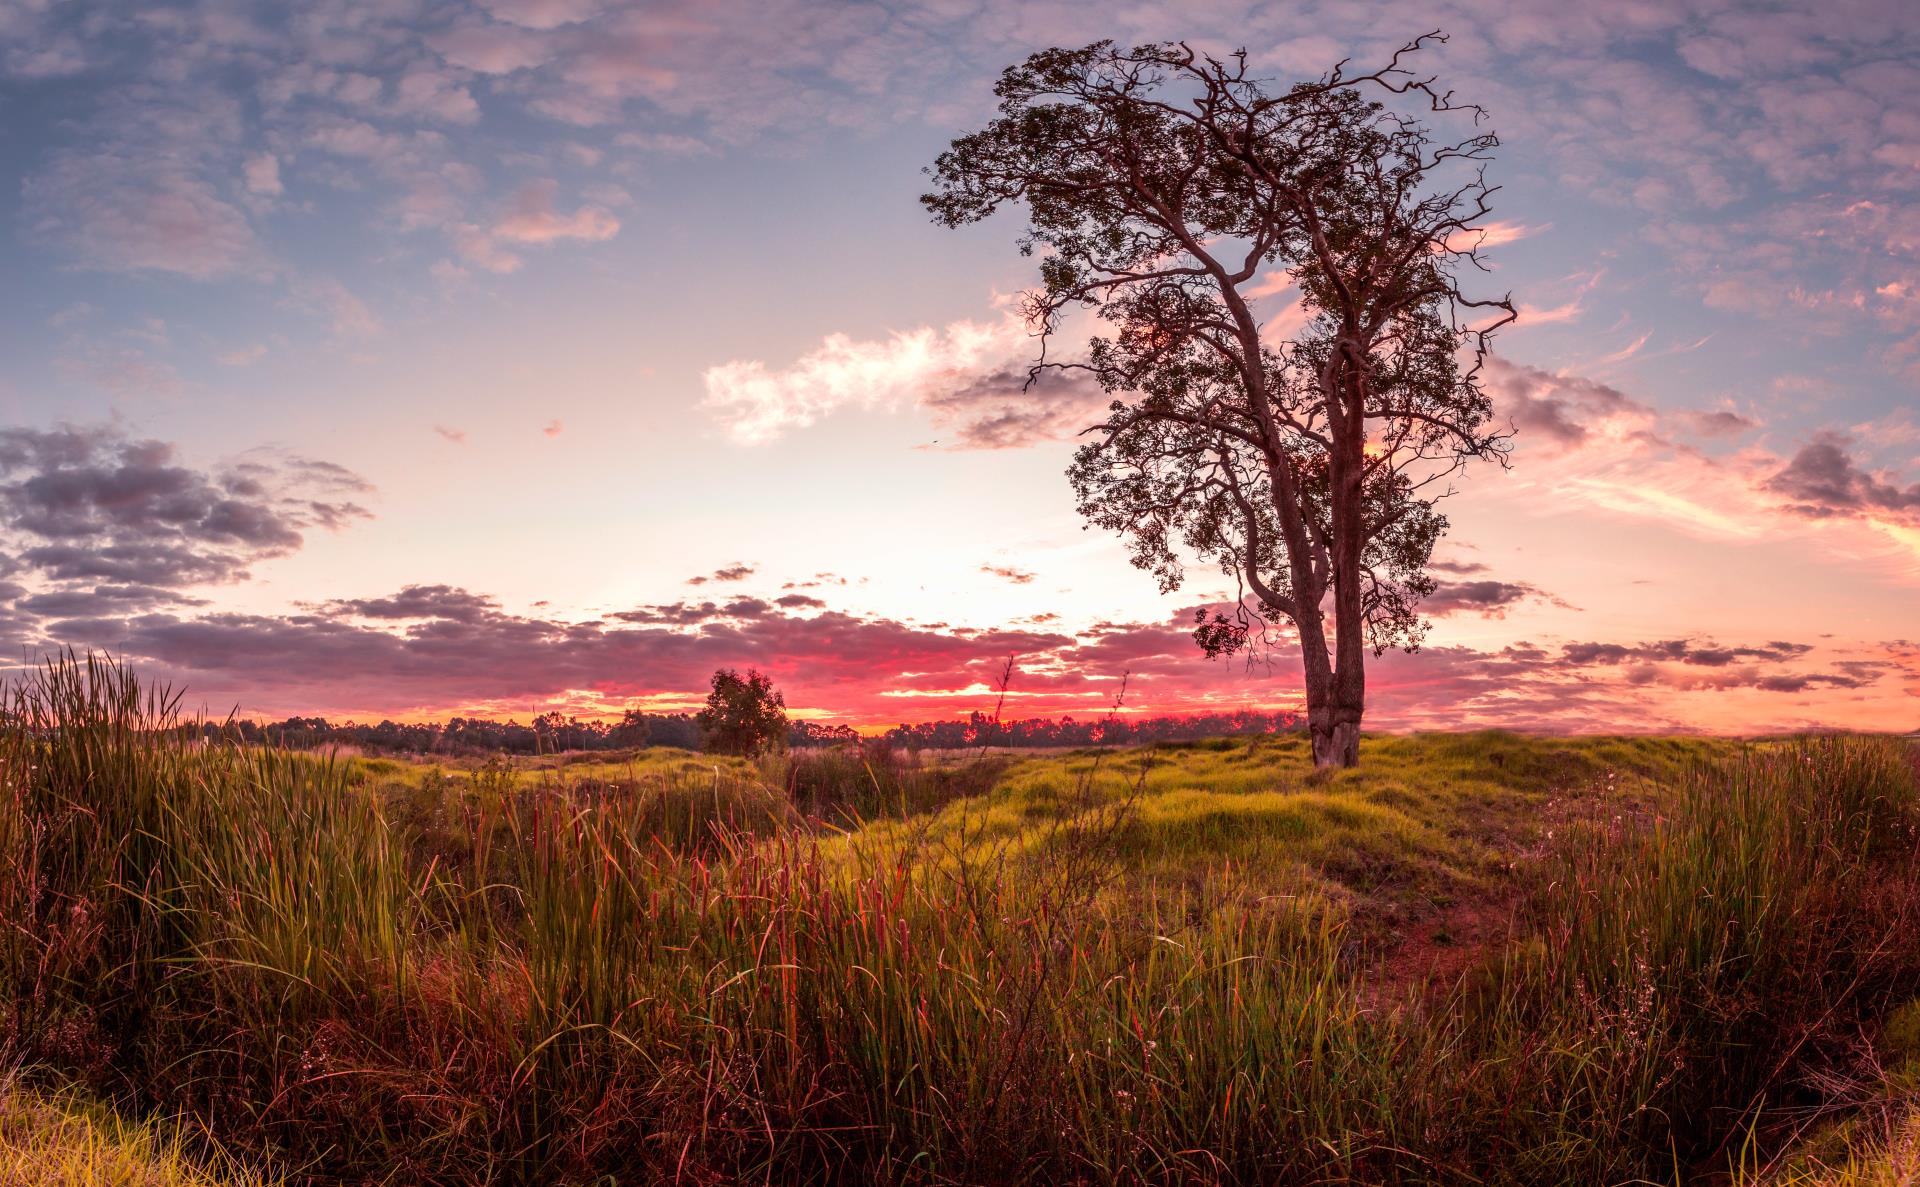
{"type": "Point", "coordinates": [111, 540]}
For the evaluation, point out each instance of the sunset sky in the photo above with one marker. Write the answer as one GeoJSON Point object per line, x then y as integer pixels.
{"type": "Point", "coordinates": [405, 359]}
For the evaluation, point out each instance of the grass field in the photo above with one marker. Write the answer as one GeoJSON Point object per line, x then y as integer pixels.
{"type": "Point", "coordinates": [1478, 958]}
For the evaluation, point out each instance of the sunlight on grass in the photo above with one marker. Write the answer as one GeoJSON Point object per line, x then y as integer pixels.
{"type": "Point", "coordinates": [59, 1140]}
{"type": "Point", "coordinates": [1423, 816]}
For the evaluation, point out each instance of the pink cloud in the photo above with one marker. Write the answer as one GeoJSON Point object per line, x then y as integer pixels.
{"type": "Point", "coordinates": [1499, 232]}
{"type": "Point", "coordinates": [437, 650]}
{"type": "Point", "coordinates": [1621, 456]}
{"type": "Point", "coordinates": [543, 14]}
{"type": "Point", "coordinates": [493, 49]}
{"type": "Point", "coordinates": [119, 214]}
{"type": "Point", "coordinates": [1017, 576]}
{"type": "Point", "coordinates": [531, 218]}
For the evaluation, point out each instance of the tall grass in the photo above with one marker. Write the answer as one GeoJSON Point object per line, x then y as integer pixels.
{"type": "Point", "coordinates": [1685, 961]}
{"type": "Point", "coordinates": [88, 780]}
{"type": "Point", "coordinates": [484, 981]}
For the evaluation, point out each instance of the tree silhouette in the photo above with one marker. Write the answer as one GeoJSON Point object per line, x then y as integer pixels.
{"type": "Point", "coordinates": [634, 729]}
{"type": "Point", "coordinates": [1171, 192]}
{"type": "Point", "coordinates": [744, 715]}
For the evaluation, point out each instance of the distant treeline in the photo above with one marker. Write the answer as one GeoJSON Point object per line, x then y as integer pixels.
{"type": "Point", "coordinates": [551, 733]}
{"type": "Point", "coordinates": [981, 730]}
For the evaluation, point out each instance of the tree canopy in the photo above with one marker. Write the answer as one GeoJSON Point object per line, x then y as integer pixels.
{"type": "Point", "coordinates": [744, 715]}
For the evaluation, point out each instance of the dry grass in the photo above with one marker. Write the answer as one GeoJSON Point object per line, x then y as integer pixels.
{"type": "Point", "coordinates": [56, 1139]}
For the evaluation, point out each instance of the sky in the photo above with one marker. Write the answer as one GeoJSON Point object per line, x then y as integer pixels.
{"type": "Point", "coordinates": [404, 359]}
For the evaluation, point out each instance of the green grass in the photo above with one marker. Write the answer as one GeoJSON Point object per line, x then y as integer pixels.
{"type": "Point", "coordinates": [1424, 819]}
{"type": "Point", "coordinates": [1478, 958]}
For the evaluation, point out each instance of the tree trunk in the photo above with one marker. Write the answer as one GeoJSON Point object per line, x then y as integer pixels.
{"type": "Point", "coordinates": [1333, 720]}
{"type": "Point", "coordinates": [1346, 702]}
{"type": "Point", "coordinates": [1336, 742]}
{"type": "Point", "coordinates": [1336, 735]}
{"type": "Point", "coordinates": [1336, 699]}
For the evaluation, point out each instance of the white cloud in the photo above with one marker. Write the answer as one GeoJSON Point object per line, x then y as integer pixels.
{"type": "Point", "coordinates": [756, 404]}
{"type": "Point", "coordinates": [1616, 454]}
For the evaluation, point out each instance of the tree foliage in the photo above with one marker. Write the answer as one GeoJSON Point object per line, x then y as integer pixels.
{"type": "Point", "coordinates": [744, 715]}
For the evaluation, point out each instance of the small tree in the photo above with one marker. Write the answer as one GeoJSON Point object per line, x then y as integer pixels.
{"type": "Point", "coordinates": [744, 715]}
{"type": "Point", "coordinates": [1170, 192]}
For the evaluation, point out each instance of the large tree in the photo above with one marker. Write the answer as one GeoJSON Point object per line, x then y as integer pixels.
{"type": "Point", "coordinates": [1174, 193]}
